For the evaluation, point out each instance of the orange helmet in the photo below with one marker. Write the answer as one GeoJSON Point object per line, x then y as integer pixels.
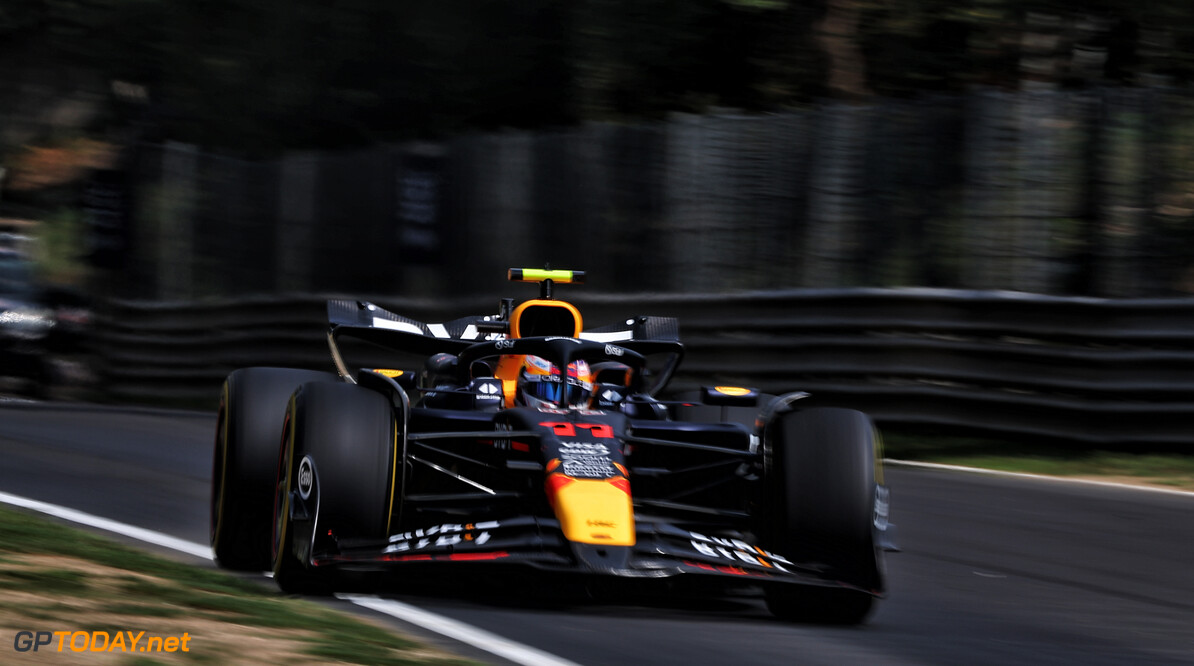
{"type": "Point", "coordinates": [541, 384]}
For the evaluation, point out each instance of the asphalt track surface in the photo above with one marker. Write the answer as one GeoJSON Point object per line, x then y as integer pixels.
{"type": "Point", "coordinates": [994, 570]}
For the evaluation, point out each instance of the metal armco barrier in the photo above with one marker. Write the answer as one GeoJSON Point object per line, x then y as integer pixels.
{"type": "Point", "coordinates": [1088, 370]}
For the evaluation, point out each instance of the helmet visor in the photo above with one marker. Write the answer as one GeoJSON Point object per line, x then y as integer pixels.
{"type": "Point", "coordinates": [557, 392]}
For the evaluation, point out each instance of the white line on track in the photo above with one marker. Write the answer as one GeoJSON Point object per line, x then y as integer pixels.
{"type": "Point", "coordinates": [138, 533]}
{"type": "Point", "coordinates": [1042, 477]}
{"type": "Point", "coordinates": [460, 631]}
{"type": "Point", "coordinates": [478, 638]}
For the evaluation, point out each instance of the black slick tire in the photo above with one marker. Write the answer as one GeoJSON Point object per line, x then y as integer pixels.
{"type": "Point", "coordinates": [248, 434]}
{"type": "Point", "coordinates": [335, 475]}
{"type": "Point", "coordinates": [820, 485]}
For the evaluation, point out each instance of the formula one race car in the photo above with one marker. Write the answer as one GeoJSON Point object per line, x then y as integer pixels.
{"type": "Point", "coordinates": [526, 439]}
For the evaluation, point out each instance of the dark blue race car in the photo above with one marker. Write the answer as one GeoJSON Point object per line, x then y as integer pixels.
{"type": "Point", "coordinates": [526, 439]}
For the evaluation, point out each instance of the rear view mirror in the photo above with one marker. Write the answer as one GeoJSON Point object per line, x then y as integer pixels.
{"type": "Point", "coordinates": [729, 396]}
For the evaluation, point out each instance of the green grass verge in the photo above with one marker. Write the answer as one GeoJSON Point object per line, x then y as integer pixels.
{"type": "Point", "coordinates": [63, 598]}
{"type": "Point", "coordinates": [1043, 457]}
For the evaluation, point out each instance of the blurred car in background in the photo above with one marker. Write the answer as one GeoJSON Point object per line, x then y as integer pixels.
{"type": "Point", "coordinates": [43, 332]}
{"type": "Point", "coordinates": [25, 324]}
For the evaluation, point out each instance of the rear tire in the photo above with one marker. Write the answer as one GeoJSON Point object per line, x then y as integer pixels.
{"type": "Point", "coordinates": [346, 436]}
{"type": "Point", "coordinates": [248, 433]}
{"type": "Point", "coordinates": [820, 481]}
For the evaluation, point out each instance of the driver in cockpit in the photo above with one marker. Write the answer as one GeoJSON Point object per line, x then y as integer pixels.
{"type": "Point", "coordinates": [541, 384]}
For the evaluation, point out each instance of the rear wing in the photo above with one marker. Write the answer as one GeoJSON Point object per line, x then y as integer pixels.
{"type": "Point", "coordinates": [372, 323]}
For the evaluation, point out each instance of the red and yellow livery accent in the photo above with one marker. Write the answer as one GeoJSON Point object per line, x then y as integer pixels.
{"type": "Point", "coordinates": [594, 511]}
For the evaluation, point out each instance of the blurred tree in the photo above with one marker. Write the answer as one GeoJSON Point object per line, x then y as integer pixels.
{"type": "Point", "coordinates": [645, 58]}
{"type": "Point", "coordinates": [264, 75]}
{"type": "Point", "coordinates": [838, 34]}
{"type": "Point", "coordinates": [310, 73]}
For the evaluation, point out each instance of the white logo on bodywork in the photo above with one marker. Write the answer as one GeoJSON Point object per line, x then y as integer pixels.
{"type": "Point", "coordinates": [882, 495]}
{"type": "Point", "coordinates": [306, 477]}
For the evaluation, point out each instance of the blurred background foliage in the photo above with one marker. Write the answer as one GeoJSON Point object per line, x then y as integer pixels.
{"type": "Point", "coordinates": [265, 75]}
{"type": "Point", "coordinates": [694, 144]}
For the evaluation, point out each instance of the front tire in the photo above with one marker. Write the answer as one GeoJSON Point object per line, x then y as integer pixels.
{"type": "Point", "coordinates": [336, 478]}
{"type": "Point", "coordinates": [248, 432]}
{"type": "Point", "coordinates": [820, 475]}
